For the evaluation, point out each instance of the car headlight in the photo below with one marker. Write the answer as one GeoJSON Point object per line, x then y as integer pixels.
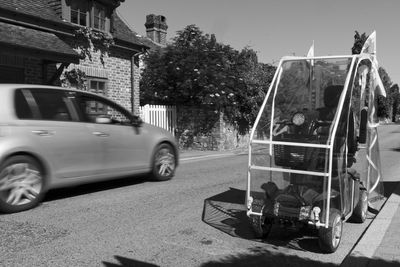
{"type": "Point", "coordinates": [298, 118]}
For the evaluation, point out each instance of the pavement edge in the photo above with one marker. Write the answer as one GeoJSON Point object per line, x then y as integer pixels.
{"type": "Point", "coordinates": [365, 248]}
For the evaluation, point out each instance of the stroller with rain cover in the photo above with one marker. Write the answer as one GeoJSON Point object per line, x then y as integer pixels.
{"type": "Point", "coordinates": [314, 153]}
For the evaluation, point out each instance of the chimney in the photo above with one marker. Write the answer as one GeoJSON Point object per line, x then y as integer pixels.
{"type": "Point", "coordinates": [156, 28]}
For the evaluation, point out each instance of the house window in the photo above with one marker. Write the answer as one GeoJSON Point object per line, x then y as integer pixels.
{"type": "Point", "coordinates": [99, 18]}
{"type": "Point", "coordinates": [87, 13]}
{"type": "Point", "coordinates": [97, 86]}
{"type": "Point", "coordinates": [79, 12]}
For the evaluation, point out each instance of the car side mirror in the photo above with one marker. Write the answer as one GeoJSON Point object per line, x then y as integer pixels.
{"type": "Point", "coordinates": [362, 138]}
{"type": "Point", "coordinates": [137, 121]}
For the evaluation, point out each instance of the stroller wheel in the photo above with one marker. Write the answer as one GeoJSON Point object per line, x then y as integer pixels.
{"type": "Point", "coordinates": [329, 238]}
{"type": "Point", "coordinates": [360, 210]}
{"type": "Point", "coordinates": [261, 225]}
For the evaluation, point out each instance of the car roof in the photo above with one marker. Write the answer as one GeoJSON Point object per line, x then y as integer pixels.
{"type": "Point", "coordinates": [14, 86]}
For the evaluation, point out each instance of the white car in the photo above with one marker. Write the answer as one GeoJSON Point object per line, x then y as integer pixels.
{"type": "Point", "coordinates": [54, 137]}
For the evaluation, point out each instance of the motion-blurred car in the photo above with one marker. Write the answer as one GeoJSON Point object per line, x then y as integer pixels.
{"type": "Point", "coordinates": [54, 137]}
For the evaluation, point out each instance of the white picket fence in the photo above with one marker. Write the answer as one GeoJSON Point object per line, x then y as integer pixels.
{"type": "Point", "coordinates": [161, 116]}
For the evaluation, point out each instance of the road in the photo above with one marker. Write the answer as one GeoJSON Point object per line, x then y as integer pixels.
{"type": "Point", "coordinates": [389, 141]}
{"type": "Point", "coordinates": [196, 219]}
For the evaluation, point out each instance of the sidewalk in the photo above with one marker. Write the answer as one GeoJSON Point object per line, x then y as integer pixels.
{"type": "Point", "coordinates": [380, 244]}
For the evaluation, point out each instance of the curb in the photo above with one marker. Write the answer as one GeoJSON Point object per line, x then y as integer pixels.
{"type": "Point", "coordinates": [203, 154]}
{"type": "Point", "coordinates": [364, 251]}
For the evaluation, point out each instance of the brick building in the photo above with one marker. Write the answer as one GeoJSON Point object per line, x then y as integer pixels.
{"type": "Point", "coordinates": [38, 43]}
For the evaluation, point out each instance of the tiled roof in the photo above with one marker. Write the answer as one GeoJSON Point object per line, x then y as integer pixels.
{"type": "Point", "coordinates": [17, 36]}
{"type": "Point", "coordinates": [124, 33]}
{"type": "Point", "coordinates": [36, 8]}
{"type": "Point", "coordinates": [42, 10]}
{"type": "Point", "coordinates": [148, 42]}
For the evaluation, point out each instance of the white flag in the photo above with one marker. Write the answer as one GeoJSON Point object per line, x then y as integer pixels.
{"type": "Point", "coordinates": [369, 46]}
{"type": "Point", "coordinates": [311, 51]}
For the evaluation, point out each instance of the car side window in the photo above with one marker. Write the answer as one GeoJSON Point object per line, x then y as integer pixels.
{"type": "Point", "coordinates": [51, 104]}
{"type": "Point", "coordinates": [22, 108]}
{"type": "Point", "coordinates": [98, 110]}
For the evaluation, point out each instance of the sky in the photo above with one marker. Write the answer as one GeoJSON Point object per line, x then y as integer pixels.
{"type": "Point", "coordinates": [277, 28]}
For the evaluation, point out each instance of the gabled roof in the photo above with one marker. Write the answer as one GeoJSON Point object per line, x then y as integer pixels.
{"type": "Point", "coordinates": [34, 8]}
{"type": "Point", "coordinates": [41, 10]}
{"type": "Point", "coordinates": [123, 32]}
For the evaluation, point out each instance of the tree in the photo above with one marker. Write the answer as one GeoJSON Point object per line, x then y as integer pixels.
{"type": "Point", "coordinates": [385, 103]}
{"type": "Point", "coordinates": [74, 78]}
{"type": "Point", "coordinates": [196, 70]}
{"type": "Point", "coordinates": [395, 94]}
{"type": "Point", "coordinates": [359, 40]}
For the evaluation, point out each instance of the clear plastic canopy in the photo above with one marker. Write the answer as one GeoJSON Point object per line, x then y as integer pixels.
{"type": "Point", "coordinates": [304, 144]}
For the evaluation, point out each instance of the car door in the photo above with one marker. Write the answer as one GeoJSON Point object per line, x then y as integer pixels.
{"type": "Point", "coordinates": [123, 144]}
{"type": "Point", "coordinates": [67, 144]}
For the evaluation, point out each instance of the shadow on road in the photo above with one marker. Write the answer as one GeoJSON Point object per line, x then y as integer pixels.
{"type": "Point", "coordinates": [263, 257]}
{"type": "Point", "coordinates": [128, 263]}
{"type": "Point", "coordinates": [226, 212]}
{"type": "Point", "coordinates": [389, 188]}
{"type": "Point", "coordinates": [67, 192]}
{"type": "Point", "coordinates": [363, 261]}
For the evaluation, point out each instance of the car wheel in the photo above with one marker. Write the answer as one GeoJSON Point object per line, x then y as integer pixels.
{"type": "Point", "coordinates": [360, 210]}
{"type": "Point", "coordinates": [21, 184]}
{"type": "Point", "coordinates": [329, 238]}
{"type": "Point", "coordinates": [164, 163]}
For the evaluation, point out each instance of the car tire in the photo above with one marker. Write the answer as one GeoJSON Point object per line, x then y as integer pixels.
{"type": "Point", "coordinates": [22, 184]}
{"type": "Point", "coordinates": [329, 238]}
{"type": "Point", "coordinates": [360, 210]}
{"type": "Point", "coordinates": [164, 163]}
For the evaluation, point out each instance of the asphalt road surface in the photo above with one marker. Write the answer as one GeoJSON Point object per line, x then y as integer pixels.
{"type": "Point", "coordinates": [389, 143]}
{"type": "Point", "coordinates": [196, 219]}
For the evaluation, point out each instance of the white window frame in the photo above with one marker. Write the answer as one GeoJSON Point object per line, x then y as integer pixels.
{"type": "Point", "coordinates": [90, 15]}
